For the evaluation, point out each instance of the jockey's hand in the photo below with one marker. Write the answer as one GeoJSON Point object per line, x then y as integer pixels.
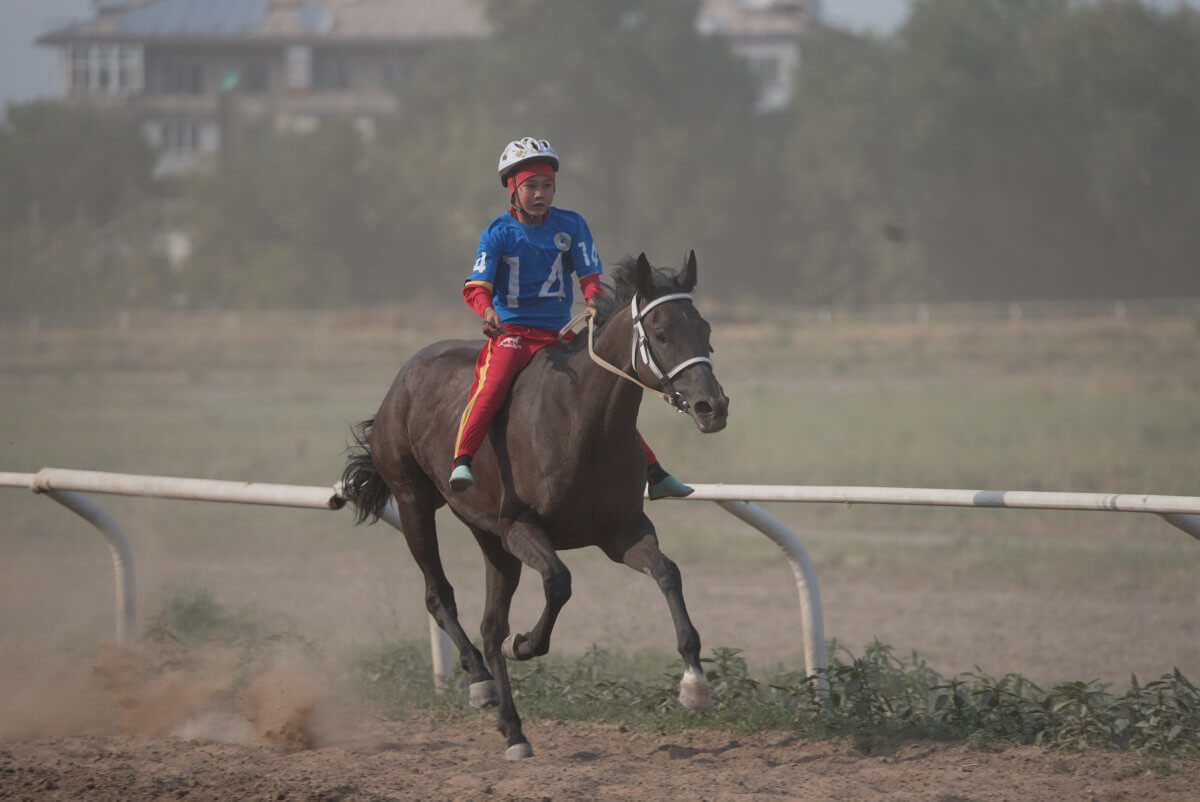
{"type": "Point", "coordinates": [591, 310]}
{"type": "Point", "coordinates": [491, 323]}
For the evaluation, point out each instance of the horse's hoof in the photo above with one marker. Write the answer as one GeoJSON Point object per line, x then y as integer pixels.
{"type": "Point", "coordinates": [694, 692]}
{"type": "Point", "coordinates": [509, 647]}
{"type": "Point", "coordinates": [518, 751]}
{"type": "Point", "coordinates": [484, 694]}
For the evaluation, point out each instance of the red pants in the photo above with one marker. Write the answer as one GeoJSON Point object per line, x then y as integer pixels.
{"type": "Point", "coordinates": [498, 363]}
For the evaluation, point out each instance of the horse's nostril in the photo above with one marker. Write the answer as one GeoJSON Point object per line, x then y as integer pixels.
{"type": "Point", "coordinates": [703, 408]}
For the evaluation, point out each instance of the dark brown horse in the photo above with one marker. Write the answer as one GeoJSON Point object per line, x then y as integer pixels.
{"type": "Point", "coordinates": [562, 468]}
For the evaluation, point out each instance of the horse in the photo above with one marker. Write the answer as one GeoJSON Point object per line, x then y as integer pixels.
{"type": "Point", "coordinates": [561, 468]}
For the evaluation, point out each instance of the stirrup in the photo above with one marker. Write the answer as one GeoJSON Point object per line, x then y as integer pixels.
{"type": "Point", "coordinates": [670, 487]}
{"type": "Point", "coordinates": [461, 478]}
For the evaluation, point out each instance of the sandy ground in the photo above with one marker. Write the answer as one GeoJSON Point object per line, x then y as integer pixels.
{"type": "Point", "coordinates": [427, 759]}
{"type": "Point", "coordinates": [272, 728]}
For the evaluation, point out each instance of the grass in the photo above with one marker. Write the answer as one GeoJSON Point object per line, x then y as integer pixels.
{"type": "Point", "coordinates": [874, 698]}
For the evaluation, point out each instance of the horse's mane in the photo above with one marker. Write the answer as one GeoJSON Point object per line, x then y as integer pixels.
{"type": "Point", "coordinates": [618, 289]}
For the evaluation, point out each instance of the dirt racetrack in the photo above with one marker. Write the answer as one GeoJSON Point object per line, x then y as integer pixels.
{"type": "Point", "coordinates": [427, 759]}
{"type": "Point", "coordinates": [277, 729]}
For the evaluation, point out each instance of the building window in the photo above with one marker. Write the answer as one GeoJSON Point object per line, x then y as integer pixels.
{"type": "Point", "coordinates": [331, 73]}
{"type": "Point", "coordinates": [129, 69]}
{"type": "Point", "coordinates": [255, 77]}
{"type": "Point", "coordinates": [104, 69]}
{"type": "Point", "coordinates": [180, 136]}
{"type": "Point", "coordinates": [298, 61]}
{"type": "Point", "coordinates": [768, 69]}
{"type": "Point", "coordinates": [179, 78]}
{"type": "Point", "coordinates": [395, 74]}
{"type": "Point", "coordinates": [81, 70]}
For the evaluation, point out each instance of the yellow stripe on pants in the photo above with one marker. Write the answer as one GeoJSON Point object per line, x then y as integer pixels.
{"type": "Point", "coordinates": [462, 421]}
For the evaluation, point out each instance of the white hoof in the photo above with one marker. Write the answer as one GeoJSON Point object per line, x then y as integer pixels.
{"type": "Point", "coordinates": [693, 691]}
{"type": "Point", "coordinates": [484, 694]}
{"type": "Point", "coordinates": [518, 752]}
{"type": "Point", "coordinates": [507, 648]}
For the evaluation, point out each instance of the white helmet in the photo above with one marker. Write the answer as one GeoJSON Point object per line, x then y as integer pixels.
{"type": "Point", "coordinates": [525, 150]}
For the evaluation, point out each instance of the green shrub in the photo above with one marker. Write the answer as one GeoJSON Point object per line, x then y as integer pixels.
{"type": "Point", "coordinates": [868, 700]}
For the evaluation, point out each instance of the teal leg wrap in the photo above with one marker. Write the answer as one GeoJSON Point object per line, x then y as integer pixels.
{"type": "Point", "coordinates": [670, 487]}
{"type": "Point", "coordinates": [461, 478]}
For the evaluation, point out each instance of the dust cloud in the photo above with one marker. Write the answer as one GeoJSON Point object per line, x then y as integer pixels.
{"type": "Point", "coordinates": [282, 700]}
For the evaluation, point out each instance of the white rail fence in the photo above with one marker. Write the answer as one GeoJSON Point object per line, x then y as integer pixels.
{"type": "Point", "coordinates": [68, 487]}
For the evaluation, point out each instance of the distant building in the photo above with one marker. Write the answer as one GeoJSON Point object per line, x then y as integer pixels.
{"type": "Point", "coordinates": [200, 71]}
{"type": "Point", "coordinates": [767, 34]}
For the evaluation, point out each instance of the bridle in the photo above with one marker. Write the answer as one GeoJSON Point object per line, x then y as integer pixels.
{"type": "Point", "coordinates": [641, 349]}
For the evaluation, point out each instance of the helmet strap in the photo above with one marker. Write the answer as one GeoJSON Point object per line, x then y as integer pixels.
{"type": "Point", "coordinates": [520, 213]}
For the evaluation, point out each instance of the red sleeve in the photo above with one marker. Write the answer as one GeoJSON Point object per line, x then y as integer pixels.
{"type": "Point", "coordinates": [590, 284]}
{"type": "Point", "coordinates": [478, 297]}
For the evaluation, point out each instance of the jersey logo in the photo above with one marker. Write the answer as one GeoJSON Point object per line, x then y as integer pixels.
{"type": "Point", "coordinates": [513, 341]}
{"type": "Point", "coordinates": [562, 241]}
{"type": "Point", "coordinates": [480, 261]}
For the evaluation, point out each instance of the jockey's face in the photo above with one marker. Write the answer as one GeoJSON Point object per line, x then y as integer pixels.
{"type": "Point", "coordinates": [534, 195]}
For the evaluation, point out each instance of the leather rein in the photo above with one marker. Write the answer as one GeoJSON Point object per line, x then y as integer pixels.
{"type": "Point", "coordinates": [641, 348]}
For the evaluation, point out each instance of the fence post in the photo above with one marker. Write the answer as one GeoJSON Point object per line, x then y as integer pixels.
{"type": "Point", "coordinates": [122, 556]}
{"type": "Point", "coordinates": [816, 658]}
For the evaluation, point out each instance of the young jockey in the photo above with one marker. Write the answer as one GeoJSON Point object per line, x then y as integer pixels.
{"type": "Point", "coordinates": [521, 287]}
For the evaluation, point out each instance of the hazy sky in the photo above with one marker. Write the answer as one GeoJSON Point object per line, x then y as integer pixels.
{"type": "Point", "coordinates": [28, 70]}
{"type": "Point", "coordinates": [879, 16]}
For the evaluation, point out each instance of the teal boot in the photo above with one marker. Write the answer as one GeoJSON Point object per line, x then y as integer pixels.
{"type": "Point", "coordinates": [461, 477]}
{"type": "Point", "coordinates": [670, 487]}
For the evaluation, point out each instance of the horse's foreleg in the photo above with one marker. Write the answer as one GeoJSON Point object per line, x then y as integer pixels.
{"type": "Point", "coordinates": [527, 541]}
{"type": "Point", "coordinates": [642, 553]}
{"type": "Point", "coordinates": [503, 572]}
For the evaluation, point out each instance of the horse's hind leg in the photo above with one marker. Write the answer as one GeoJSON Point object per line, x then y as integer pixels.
{"type": "Point", "coordinates": [503, 572]}
{"type": "Point", "coordinates": [640, 551]}
{"type": "Point", "coordinates": [416, 503]}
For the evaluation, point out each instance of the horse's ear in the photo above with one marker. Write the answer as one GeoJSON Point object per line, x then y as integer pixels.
{"type": "Point", "coordinates": [686, 278]}
{"type": "Point", "coordinates": [643, 278]}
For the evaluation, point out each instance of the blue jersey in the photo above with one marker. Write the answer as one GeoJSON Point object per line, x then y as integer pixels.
{"type": "Point", "coordinates": [528, 270]}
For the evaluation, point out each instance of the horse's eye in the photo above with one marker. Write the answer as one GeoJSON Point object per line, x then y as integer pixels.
{"type": "Point", "coordinates": [660, 335]}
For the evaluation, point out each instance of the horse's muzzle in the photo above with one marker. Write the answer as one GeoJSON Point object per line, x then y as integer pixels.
{"type": "Point", "coordinates": [712, 413]}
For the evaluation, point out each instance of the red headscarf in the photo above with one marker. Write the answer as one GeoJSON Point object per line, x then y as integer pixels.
{"type": "Point", "coordinates": [527, 171]}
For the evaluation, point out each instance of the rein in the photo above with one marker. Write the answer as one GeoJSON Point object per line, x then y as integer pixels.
{"type": "Point", "coordinates": [641, 347]}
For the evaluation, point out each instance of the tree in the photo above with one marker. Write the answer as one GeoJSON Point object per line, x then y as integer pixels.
{"type": "Point", "coordinates": [1123, 75]}
{"type": "Point", "coordinates": [1056, 142]}
{"type": "Point", "coordinates": [71, 177]}
{"type": "Point", "coordinates": [1001, 149]}
{"type": "Point", "coordinates": [850, 188]}
{"type": "Point", "coordinates": [60, 163]}
{"type": "Point", "coordinates": [654, 123]}
{"type": "Point", "coordinates": [289, 220]}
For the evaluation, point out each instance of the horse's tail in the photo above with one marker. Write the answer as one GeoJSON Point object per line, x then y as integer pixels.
{"type": "Point", "coordinates": [361, 483]}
